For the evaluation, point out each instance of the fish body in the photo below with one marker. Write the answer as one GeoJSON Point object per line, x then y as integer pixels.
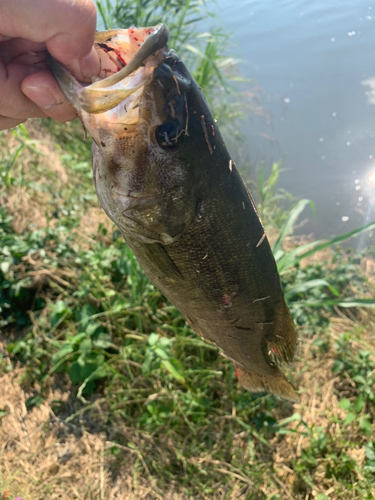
{"type": "Point", "coordinates": [164, 176]}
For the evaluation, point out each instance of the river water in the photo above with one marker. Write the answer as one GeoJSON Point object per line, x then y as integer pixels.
{"type": "Point", "coordinates": [315, 65]}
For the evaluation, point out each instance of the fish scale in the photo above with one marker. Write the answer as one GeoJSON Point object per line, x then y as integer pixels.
{"type": "Point", "coordinates": [164, 176]}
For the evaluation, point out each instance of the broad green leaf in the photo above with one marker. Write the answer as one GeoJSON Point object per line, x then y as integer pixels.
{"type": "Point", "coordinates": [161, 353]}
{"type": "Point", "coordinates": [65, 349]}
{"type": "Point", "coordinates": [370, 451]}
{"type": "Point", "coordinates": [358, 403]}
{"type": "Point", "coordinates": [350, 417]}
{"type": "Point", "coordinates": [359, 379]}
{"type": "Point", "coordinates": [344, 404]}
{"type": "Point", "coordinates": [103, 342]}
{"type": "Point", "coordinates": [146, 365]}
{"type": "Point", "coordinates": [365, 425]}
{"type": "Point", "coordinates": [4, 266]}
{"type": "Point", "coordinates": [60, 307]}
{"type": "Point", "coordinates": [153, 338]}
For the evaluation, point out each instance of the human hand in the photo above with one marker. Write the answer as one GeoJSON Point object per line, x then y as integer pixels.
{"type": "Point", "coordinates": [28, 28]}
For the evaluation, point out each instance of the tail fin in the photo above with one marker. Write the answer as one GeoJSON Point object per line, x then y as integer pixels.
{"type": "Point", "coordinates": [277, 385]}
{"type": "Point", "coordinates": [283, 343]}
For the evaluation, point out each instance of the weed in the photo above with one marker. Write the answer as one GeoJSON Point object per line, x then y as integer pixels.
{"type": "Point", "coordinates": [100, 350]}
{"type": "Point", "coordinates": [87, 314]}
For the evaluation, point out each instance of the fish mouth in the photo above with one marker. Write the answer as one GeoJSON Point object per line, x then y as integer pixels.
{"type": "Point", "coordinates": [128, 59]}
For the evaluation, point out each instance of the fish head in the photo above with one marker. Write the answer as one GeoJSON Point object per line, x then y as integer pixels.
{"type": "Point", "coordinates": [137, 113]}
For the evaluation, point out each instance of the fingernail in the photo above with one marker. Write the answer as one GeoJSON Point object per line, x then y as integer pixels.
{"type": "Point", "coordinates": [87, 66]}
{"type": "Point", "coordinates": [41, 96]}
{"type": "Point", "coordinates": [90, 64]}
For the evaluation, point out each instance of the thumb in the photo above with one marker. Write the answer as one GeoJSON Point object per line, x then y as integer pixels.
{"type": "Point", "coordinates": [81, 67]}
{"type": "Point", "coordinates": [43, 90]}
{"type": "Point", "coordinates": [67, 27]}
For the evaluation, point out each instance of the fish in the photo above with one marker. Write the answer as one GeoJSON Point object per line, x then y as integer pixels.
{"type": "Point", "coordinates": [164, 176]}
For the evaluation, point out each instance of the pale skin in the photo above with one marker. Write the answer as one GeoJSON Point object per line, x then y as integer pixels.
{"type": "Point", "coordinates": [28, 28]}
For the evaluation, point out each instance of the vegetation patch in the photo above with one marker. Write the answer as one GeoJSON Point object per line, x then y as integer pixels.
{"type": "Point", "coordinates": [98, 367]}
{"type": "Point", "coordinates": [106, 392]}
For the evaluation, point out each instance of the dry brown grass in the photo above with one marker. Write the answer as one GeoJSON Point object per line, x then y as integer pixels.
{"type": "Point", "coordinates": [368, 267]}
{"type": "Point", "coordinates": [88, 227]}
{"type": "Point", "coordinates": [45, 170]}
{"type": "Point", "coordinates": [29, 207]}
{"type": "Point", "coordinates": [43, 457]}
{"type": "Point", "coordinates": [319, 408]}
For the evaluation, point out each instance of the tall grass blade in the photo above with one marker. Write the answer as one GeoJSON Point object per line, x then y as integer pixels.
{"type": "Point", "coordinates": [287, 260]}
{"type": "Point", "coordinates": [308, 285]}
{"type": "Point", "coordinates": [103, 14]}
{"type": "Point", "coordinates": [10, 164]}
{"type": "Point", "coordinates": [347, 302]}
{"type": "Point", "coordinates": [267, 188]}
{"type": "Point", "coordinates": [290, 221]}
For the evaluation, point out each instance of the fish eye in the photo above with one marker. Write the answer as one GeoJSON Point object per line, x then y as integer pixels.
{"type": "Point", "coordinates": [170, 136]}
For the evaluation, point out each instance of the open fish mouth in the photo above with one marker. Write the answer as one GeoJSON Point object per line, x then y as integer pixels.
{"type": "Point", "coordinates": [136, 110]}
{"type": "Point", "coordinates": [128, 59]}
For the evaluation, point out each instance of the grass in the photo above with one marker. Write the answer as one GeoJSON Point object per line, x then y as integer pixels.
{"type": "Point", "coordinates": [97, 365]}
{"type": "Point", "coordinates": [106, 392]}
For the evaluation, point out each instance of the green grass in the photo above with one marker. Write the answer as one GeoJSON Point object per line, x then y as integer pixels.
{"type": "Point", "coordinates": [80, 310]}
{"type": "Point", "coordinates": [99, 346]}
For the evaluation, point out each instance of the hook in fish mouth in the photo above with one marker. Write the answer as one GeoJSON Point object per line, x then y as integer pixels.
{"type": "Point", "coordinates": [105, 94]}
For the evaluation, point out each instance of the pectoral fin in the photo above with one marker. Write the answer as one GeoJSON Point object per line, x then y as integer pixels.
{"type": "Point", "coordinates": [157, 255]}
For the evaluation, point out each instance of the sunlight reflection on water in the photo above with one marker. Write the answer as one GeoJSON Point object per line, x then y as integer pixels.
{"type": "Point", "coordinates": [314, 64]}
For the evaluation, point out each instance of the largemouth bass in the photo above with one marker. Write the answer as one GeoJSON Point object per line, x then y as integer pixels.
{"type": "Point", "coordinates": [164, 176]}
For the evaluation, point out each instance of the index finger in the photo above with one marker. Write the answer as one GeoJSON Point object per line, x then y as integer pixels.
{"type": "Point", "coordinates": [67, 27]}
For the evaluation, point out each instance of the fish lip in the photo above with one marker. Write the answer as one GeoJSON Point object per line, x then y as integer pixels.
{"type": "Point", "coordinates": [156, 41]}
{"type": "Point", "coordinates": [67, 82]}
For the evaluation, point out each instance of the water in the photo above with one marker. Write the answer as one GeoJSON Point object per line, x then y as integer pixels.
{"type": "Point", "coordinates": [315, 64]}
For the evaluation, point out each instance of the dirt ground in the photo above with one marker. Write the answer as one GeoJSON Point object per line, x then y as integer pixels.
{"type": "Point", "coordinates": [43, 457]}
